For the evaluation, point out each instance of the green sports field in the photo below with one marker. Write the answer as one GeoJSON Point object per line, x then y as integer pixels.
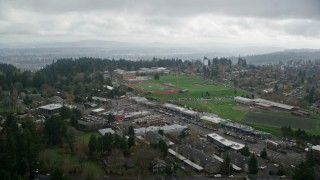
{"type": "Point", "coordinates": [225, 107]}
{"type": "Point", "coordinates": [260, 119]}
{"type": "Point", "coordinates": [278, 119]}
{"type": "Point", "coordinates": [196, 87]}
{"type": "Point", "coordinates": [151, 86]}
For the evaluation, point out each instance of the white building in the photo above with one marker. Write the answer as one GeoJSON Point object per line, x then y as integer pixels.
{"type": "Point", "coordinates": [215, 120]}
{"type": "Point", "coordinates": [50, 109]}
{"type": "Point", "coordinates": [180, 109]}
{"type": "Point", "coordinates": [224, 143]}
{"type": "Point", "coordinates": [166, 129]}
{"type": "Point", "coordinates": [105, 131]}
{"type": "Point", "coordinates": [242, 100]}
{"type": "Point", "coordinates": [98, 111]}
{"type": "Point", "coordinates": [274, 104]}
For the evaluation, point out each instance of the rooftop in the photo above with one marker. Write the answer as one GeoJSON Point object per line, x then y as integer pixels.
{"type": "Point", "coordinates": [180, 109]}
{"type": "Point", "coordinates": [239, 98]}
{"type": "Point", "coordinates": [212, 119]}
{"type": "Point", "coordinates": [283, 106]}
{"type": "Point", "coordinates": [187, 161]}
{"type": "Point", "coordinates": [99, 99]}
{"type": "Point", "coordinates": [317, 147]}
{"type": "Point", "coordinates": [166, 128]}
{"type": "Point", "coordinates": [233, 145]}
{"type": "Point", "coordinates": [106, 130]}
{"type": "Point", "coordinates": [51, 106]}
{"type": "Point", "coordinates": [98, 110]}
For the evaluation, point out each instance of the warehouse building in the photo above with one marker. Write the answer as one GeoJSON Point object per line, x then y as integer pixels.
{"type": "Point", "coordinates": [242, 100]}
{"type": "Point", "coordinates": [247, 130]}
{"type": "Point", "coordinates": [174, 128]}
{"type": "Point", "coordinates": [153, 70]}
{"type": "Point", "coordinates": [224, 143]}
{"type": "Point", "coordinates": [150, 120]}
{"type": "Point", "coordinates": [180, 110]}
{"type": "Point", "coordinates": [136, 114]}
{"type": "Point", "coordinates": [105, 131]}
{"type": "Point", "coordinates": [50, 109]}
{"type": "Point", "coordinates": [214, 120]}
{"type": "Point", "coordinates": [124, 75]}
{"type": "Point", "coordinates": [98, 111]}
{"type": "Point", "coordinates": [274, 104]}
{"type": "Point", "coordinates": [185, 160]}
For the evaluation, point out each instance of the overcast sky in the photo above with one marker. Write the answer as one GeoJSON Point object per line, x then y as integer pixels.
{"type": "Point", "coordinates": [281, 23]}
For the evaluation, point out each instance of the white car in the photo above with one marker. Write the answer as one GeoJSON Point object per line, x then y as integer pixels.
{"type": "Point", "coordinates": [262, 167]}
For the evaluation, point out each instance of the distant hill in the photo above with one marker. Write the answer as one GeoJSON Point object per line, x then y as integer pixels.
{"type": "Point", "coordinates": [35, 55]}
{"type": "Point", "coordinates": [286, 55]}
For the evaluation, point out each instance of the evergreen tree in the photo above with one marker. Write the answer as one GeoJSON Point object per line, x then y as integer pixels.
{"type": "Point", "coordinates": [303, 171]}
{"type": "Point", "coordinates": [253, 164]}
{"type": "Point", "coordinates": [131, 131]}
{"type": "Point", "coordinates": [70, 139]}
{"type": "Point", "coordinates": [92, 145]}
{"type": "Point", "coordinates": [161, 132]}
{"type": "Point", "coordinates": [162, 145]}
{"type": "Point", "coordinates": [111, 118]}
{"type": "Point", "coordinates": [156, 76]}
{"type": "Point", "coordinates": [131, 141]}
{"type": "Point", "coordinates": [264, 154]}
{"type": "Point", "coordinates": [55, 130]}
{"type": "Point", "coordinates": [226, 167]}
{"type": "Point", "coordinates": [74, 122]}
{"type": "Point", "coordinates": [245, 151]}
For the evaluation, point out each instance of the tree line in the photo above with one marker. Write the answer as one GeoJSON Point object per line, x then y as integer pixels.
{"type": "Point", "coordinates": [300, 135]}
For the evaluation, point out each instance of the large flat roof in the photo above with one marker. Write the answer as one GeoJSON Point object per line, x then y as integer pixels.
{"type": "Point", "coordinates": [182, 158]}
{"type": "Point", "coordinates": [106, 130]}
{"type": "Point", "coordinates": [232, 144]}
{"type": "Point", "coordinates": [98, 110]}
{"type": "Point", "coordinates": [165, 128]}
{"type": "Point", "coordinates": [239, 98]}
{"type": "Point", "coordinates": [192, 164]}
{"type": "Point", "coordinates": [212, 119]}
{"type": "Point", "coordinates": [237, 146]}
{"type": "Point", "coordinates": [171, 151]}
{"type": "Point", "coordinates": [220, 139]}
{"type": "Point", "coordinates": [51, 106]}
{"type": "Point", "coordinates": [180, 109]}
{"type": "Point", "coordinates": [235, 167]}
{"type": "Point", "coordinates": [280, 105]}
{"type": "Point", "coordinates": [317, 147]}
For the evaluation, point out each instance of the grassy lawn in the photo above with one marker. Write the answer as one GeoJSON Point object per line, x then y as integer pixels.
{"type": "Point", "coordinates": [223, 108]}
{"type": "Point", "coordinates": [5, 109]}
{"type": "Point", "coordinates": [264, 120]}
{"type": "Point", "coordinates": [282, 120]}
{"type": "Point", "coordinates": [197, 87]}
{"type": "Point", "coordinates": [85, 136]}
{"type": "Point", "coordinates": [273, 120]}
{"type": "Point", "coordinates": [72, 163]}
{"type": "Point", "coordinates": [275, 130]}
{"type": "Point", "coordinates": [151, 86]}
{"type": "Point", "coordinates": [69, 162]}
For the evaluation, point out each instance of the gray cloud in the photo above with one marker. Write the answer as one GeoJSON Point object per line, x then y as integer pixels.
{"type": "Point", "coordinates": [248, 21]}
{"type": "Point", "coordinates": [252, 8]}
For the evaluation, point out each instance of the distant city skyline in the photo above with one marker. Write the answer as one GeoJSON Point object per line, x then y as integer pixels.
{"type": "Point", "coordinates": [285, 23]}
